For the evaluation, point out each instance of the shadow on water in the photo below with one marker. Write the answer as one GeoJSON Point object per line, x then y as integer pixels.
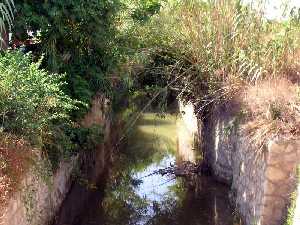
{"type": "Point", "coordinates": [130, 197]}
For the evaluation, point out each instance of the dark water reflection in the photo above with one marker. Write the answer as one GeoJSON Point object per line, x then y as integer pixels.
{"type": "Point", "coordinates": [131, 197]}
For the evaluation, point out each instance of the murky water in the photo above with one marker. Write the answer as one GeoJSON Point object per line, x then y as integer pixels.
{"type": "Point", "coordinates": [131, 197]}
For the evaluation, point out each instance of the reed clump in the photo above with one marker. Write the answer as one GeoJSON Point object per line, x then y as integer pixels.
{"type": "Point", "coordinates": [217, 51]}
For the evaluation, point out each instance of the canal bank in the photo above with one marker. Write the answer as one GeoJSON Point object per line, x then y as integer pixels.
{"type": "Point", "coordinates": [262, 178]}
{"type": "Point", "coordinates": [41, 193]}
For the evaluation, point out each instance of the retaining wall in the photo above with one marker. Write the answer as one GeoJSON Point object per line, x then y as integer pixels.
{"type": "Point", "coordinates": [38, 201]}
{"type": "Point", "coordinates": [188, 134]}
{"type": "Point", "coordinates": [261, 180]}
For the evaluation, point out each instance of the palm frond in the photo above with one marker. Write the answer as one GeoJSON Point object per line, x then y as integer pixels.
{"type": "Point", "coordinates": [6, 18]}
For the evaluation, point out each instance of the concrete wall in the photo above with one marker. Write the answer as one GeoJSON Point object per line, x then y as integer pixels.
{"type": "Point", "coordinates": [38, 201]}
{"type": "Point", "coordinates": [187, 133]}
{"type": "Point", "coordinates": [261, 180]}
{"type": "Point", "coordinates": [248, 181]}
{"type": "Point", "coordinates": [281, 180]}
{"type": "Point", "coordinates": [219, 141]}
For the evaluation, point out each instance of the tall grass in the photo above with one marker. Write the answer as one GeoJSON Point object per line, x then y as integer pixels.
{"type": "Point", "coordinates": [211, 51]}
{"type": "Point", "coordinates": [239, 39]}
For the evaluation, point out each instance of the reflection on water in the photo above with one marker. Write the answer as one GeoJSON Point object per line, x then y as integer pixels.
{"type": "Point", "coordinates": [131, 197]}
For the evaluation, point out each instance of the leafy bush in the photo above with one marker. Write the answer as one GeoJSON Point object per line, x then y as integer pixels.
{"type": "Point", "coordinates": [31, 99]}
{"type": "Point", "coordinates": [144, 9]}
{"type": "Point", "coordinates": [66, 140]}
{"type": "Point", "coordinates": [89, 138]}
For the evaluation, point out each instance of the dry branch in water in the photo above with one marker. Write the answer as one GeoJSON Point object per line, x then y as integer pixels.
{"type": "Point", "coordinates": [184, 169]}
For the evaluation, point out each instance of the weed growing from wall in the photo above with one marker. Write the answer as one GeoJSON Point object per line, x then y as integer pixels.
{"type": "Point", "coordinates": [292, 207]}
{"type": "Point", "coordinates": [30, 203]}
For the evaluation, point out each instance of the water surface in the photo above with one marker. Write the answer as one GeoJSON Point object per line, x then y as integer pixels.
{"type": "Point", "coordinates": [132, 197]}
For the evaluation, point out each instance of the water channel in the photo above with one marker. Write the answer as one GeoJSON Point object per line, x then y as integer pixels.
{"type": "Point", "coordinates": [128, 196]}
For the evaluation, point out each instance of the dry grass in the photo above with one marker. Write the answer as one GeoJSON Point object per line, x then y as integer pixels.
{"type": "Point", "coordinates": [273, 108]}
{"type": "Point", "coordinates": [14, 157]}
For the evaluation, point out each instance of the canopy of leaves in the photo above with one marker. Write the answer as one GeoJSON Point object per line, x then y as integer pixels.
{"type": "Point", "coordinates": [144, 9]}
{"type": "Point", "coordinates": [76, 36]}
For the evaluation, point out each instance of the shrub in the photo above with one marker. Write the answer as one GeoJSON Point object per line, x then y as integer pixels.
{"type": "Point", "coordinates": [31, 99]}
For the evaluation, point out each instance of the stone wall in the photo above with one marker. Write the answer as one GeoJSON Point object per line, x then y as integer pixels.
{"type": "Point", "coordinates": [248, 181]}
{"type": "Point", "coordinates": [261, 180]}
{"type": "Point", "coordinates": [219, 141]}
{"type": "Point", "coordinates": [38, 200]}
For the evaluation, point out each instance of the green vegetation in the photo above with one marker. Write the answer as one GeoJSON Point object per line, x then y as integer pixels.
{"type": "Point", "coordinates": [83, 39]}
{"type": "Point", "coordinates": [74, 48]}
{"type": "Point", "coordinates": [213, 52]}
{"type": "Point", "coordinates": [33, 104]}
{"type": "Point", "coordinates": [31, 99]}
{"type": "Point", "coordinates": [215, 46]}
{"type": "Point", "coordinates": [142, 55]}
{"type": "Point", "coordinates": [76, 38]}
{"type": "Point", "coordinates": [291, 210]}
{"type": "Point", "coordinates": [34, 107]}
